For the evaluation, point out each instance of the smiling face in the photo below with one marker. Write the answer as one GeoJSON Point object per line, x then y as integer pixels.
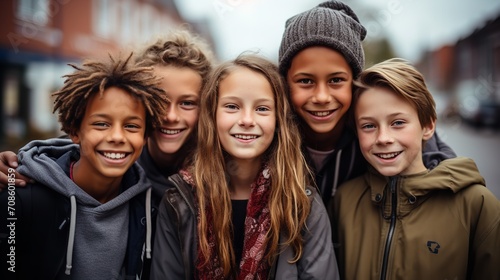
{"type": "Point", "coordinates": [246, 115]}
{"type": "Point", "coordinates": [389, 131]}
{"type": "Point", "coordinates": [111, 135]}
{"type": "Point", "coordinates": [320, 82]}
{"type": "Point", "coordinates": [182, 86]}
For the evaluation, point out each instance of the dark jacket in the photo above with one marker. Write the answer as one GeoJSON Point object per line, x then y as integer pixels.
{"type": "Point", "coordinates": [175, 250]}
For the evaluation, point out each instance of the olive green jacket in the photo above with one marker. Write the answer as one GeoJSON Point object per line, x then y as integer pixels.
{"type": "Point", "coordinates": [438, 224]}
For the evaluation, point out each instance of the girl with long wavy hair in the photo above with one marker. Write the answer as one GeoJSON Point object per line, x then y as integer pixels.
{"type": "Point", "coordinates": [246, 207]}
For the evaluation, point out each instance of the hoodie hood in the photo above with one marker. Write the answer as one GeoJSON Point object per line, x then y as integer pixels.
{"type": "Point", "coordinates": [47, 162]}
{"type": "Point", "coordinates": [452, 174]}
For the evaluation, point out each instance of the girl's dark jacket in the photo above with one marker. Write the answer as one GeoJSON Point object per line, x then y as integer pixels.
{"type": "Point", "coordinates": [175, 247]}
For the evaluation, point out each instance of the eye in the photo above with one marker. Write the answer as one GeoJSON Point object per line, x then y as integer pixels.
{"type": "Point", "coordinates": [367, 126]}
{"type": "Point", "coordinates": [231, 106]}
{"type": "Point", "coordinates": [188, 104]}
{"type": "Point", "coordinates": [132, 126]}
{"type": "Point", "coordinates": [305, 81]}
{"type": "Point", "coordinates": [336, 80]}
{"type": "Point", "coordinates": [398, 123]}
{"type": "Point", "coordinates": [263, 109]}
{"type": "Point", "coordinates": [100, 124]}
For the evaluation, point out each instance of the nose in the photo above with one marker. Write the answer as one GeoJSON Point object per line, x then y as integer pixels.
{"type": "Point", "coordinates": [116, 134]}
{"type": "Point", "coordinates": [321, 94]}
{"type": "Point", "coordinates": [384, 137]}
{"type": "Point", "coordinates": [247, 119]}
{"type": "Point", "coordinates": [172, 113]}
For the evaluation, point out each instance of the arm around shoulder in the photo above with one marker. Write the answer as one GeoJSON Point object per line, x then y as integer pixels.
{"type": "Point", "coordinates": [8, 175]}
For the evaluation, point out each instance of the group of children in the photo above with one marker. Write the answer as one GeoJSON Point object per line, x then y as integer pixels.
{"type": "Point", "coordinates": [313, 169]}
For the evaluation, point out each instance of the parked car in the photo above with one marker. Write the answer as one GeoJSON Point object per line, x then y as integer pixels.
{"type": "Point", "coordinates": [478, 104]}
{"type": "Point", "coordinates": [488, 114]}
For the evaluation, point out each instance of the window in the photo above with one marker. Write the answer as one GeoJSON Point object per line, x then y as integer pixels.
{"type": "Point", "coordinates": [36, 11]}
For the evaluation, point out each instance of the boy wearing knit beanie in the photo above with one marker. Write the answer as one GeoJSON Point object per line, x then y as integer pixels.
{"type": "Point", "coordinates": [320, 55]}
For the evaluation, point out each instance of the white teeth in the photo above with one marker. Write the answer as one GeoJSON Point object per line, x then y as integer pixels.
{"type": "Point", "coordinates": [387, 156]}
{"type": "Point", "coordinates": [321, 114]}
{"type": "Point", "coordinates": [245, 137]}
{"type": "Point", "coordinates": [114, 155]}
{"type": "Point", "coordinates": [170, 131]}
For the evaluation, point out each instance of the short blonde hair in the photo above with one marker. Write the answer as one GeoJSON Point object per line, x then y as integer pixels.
{"type": "Point", "coordinates": [399, 76]}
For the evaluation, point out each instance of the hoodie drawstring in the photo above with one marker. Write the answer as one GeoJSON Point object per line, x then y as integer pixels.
{"type": "Point", "coordinates": [71, 239]}
{"type": "Point", "coordinates": [148, 223]}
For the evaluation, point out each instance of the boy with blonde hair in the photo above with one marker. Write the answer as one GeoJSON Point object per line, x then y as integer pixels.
{"type": "Point", "coordinates": [401, 220]}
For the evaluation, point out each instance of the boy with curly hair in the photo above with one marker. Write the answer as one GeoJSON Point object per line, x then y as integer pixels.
{"type": "Point", "coordinates": [90, 200]}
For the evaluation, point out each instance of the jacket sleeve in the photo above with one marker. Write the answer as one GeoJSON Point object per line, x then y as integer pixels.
{"type": "Point", "coordinates": [318, 258]}
{"type": "Point", "coordinates": [485, 255]}
{"type": "Point", "coordinates": [436, 151]}
{"type": "Point", "coordinates": [34, 242]}
{"type": "Point", "coordinates": [167, 261]}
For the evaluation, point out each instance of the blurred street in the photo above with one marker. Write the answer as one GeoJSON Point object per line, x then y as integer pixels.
{"type": "Point", "coordinates": [480, 144]}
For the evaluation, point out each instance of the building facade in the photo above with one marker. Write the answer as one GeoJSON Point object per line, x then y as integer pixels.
{"type": "Point", "coordinates": [40, 37]}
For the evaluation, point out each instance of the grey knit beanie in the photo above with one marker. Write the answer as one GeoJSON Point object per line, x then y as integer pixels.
{"type": "Point", "coordinates": [331, 24]}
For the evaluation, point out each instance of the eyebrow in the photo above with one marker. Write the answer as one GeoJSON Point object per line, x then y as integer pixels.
{"type": "Point", "coordinates": [390, 115]}
{"type": "Point", "coordinates": [311, 75]}
{"type": "Point", "coordinates": [232, 97]}
{"type": "Point", "coordinates": [186, 95]}
{"type": "Point", "coordinates": [105, 116]}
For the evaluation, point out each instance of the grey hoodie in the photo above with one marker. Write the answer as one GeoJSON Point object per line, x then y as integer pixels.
{"type": "Point", "coordinates": [98, 232]}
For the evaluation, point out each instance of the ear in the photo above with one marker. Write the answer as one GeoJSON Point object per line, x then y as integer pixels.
{"type": "Point", "coordinates": [429, 130]}
{"type": "Point", "coordinates": [75, 138]}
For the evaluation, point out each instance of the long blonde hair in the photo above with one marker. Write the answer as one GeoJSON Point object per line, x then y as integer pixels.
{"type": "Point", "coordinates": [288, 203]}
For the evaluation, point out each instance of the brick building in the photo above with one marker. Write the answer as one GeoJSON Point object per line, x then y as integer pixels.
{"type": "Point", "coordinates": [38, 39]}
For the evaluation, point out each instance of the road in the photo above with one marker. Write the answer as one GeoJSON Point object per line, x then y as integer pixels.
{"type": "Point", "coordinates": [480, 144]}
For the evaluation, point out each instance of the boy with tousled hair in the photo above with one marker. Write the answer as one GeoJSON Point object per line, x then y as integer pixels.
{"type": "Point", "coordinates": [401, 220]}
{"type": "Point", "coordinates": [89, 214]}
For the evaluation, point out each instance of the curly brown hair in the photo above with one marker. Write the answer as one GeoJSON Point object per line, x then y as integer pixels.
{"type": "Point", "coordinates": [95, 76]}
{"type": "Point", "coordinates": [179, 48]}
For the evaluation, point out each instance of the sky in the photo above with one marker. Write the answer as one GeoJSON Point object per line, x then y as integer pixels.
{"type": "Point", "coordinates": [412, 26]}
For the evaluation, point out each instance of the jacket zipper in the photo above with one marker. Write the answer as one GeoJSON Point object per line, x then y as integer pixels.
{"type": "Point", "coordinates": [390, 234]}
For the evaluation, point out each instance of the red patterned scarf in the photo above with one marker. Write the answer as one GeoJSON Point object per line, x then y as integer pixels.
{"type": "Point", "coordinates": [253, 265]}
